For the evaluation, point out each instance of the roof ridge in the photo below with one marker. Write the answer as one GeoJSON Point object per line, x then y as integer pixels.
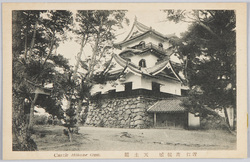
{"type": "Point", "coordinates": [143, 26]}
{"type": "Point", "coordinates": [169, 105]}
{"type": "Point", "coordinates": [153, 105]}
{"type": "Point", "coordinates": [172, 68]}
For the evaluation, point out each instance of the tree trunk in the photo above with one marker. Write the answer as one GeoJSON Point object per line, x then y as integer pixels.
{"type": "Point", "coordinates": [32, 107]}
{"type": "Point", "coordinates": [78, 111]}
{"type": "Point", "coordinates": [93, 59]}
{"type": "Point", "coordinates": [22, 140]}
{"type": "Point", "coordinates": [226, 116]}
{"type": "Point", "coordinates": [33, 39]}
{"type": "Point", "coordinates": [79, 55]}
{"type": "Point", "coordinates": [235, 119]}
{"type": "Point", "coordinates": [70, 134]}
{"type": "Point", "coordinates": [52, 43]}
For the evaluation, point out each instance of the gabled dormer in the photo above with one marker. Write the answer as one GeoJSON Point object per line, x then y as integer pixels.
{"type": "Point", "coordinates": [144, 45]}
{"type": "Point", "coordinates": [141, 34]}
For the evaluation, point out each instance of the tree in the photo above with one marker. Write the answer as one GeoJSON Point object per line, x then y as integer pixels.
{"type": "Point", "coordinates": [208, 50]}
{"type": "Point", "coordinates": [36, 35]}
{"type": "Point", "coordinates": [96, 29]}
{"type": "Point", "coordinates": [55, 23]}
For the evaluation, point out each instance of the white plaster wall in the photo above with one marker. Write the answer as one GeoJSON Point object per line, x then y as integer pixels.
{"type": "Point", "coordinates": [166, 44]}
{"type": "Point", "coordinates": [171, 87]}
{"type": "Point", "coordinates": [193, 121]}
{"type": "Point", "coordinates": [138, 82]}
{"type": "Point", "coordinates": [130, 77]}
{"type": "Point", "coordinates": [146, 83]}
{"type": "Point", "coordinates": [135, 79]}
{"type": "Point", "coordinates": [120, 88]}
{"type": "Point", "coordinates": [149, 58]}
{"type": "Point", "coordinates": [167, 86]}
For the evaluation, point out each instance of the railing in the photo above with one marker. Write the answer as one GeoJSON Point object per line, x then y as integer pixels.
{"type": "Point", "coordinates": [149, 46]}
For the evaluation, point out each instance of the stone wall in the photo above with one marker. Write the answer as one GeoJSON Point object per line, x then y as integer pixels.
{"type": "Point", "coordinates": [120, 112]}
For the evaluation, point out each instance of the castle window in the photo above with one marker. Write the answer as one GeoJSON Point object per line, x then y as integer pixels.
{"type": "Point", "coordinates": [142, 63]}
{"type": "Point", "coordinates": [160, 45]}
{"type": "Point", "coordinates": [128, 86]}
{"type": "Point", "coordinates": [142, 44]}
{"type": "Point", "coordinates": [155, 87]}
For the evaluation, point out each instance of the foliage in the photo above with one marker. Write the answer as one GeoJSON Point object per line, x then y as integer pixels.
{"type": "Point", "coordinates": [41, 120]}
{"type": "Point", "coordinates": [95, 29]}
{"type": "Point", "coordinates": [36, 34]}
{"type": "Point", "coordinates": [70, 119]}
{"type": "Point", "coordinates": [37, 63]}
{"type": "Point", "coordinates": [208, 50]}
{"type": "Point", "coordinates": [70, 122]}
{"type": "Point", "coordinates": [22, 140]}
{"type": "Point", "coordinates": [98, 27]}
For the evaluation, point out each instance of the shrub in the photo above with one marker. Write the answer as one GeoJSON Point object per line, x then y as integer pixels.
{"type": "Point", "coordinates": [40, 119]}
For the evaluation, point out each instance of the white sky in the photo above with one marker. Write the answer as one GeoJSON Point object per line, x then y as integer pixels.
{"type": "Point", "coordinates": [154, 18]}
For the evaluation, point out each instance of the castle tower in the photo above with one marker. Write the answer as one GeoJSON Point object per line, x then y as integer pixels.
{"type": "Point", "coordinates": [141, 76]}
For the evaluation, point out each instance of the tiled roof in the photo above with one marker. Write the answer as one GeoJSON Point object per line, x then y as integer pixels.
{"type": "Point", "coordinates": [157, 67]}
{"type": "Point", "coordinates": [167, 106]}
{"type": "Point", "coordinates": [151, 71]}
{"type": "Point", "coordinates": [142, 30]}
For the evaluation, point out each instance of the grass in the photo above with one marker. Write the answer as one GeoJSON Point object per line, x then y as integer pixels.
{"type": "Point", "coordinates": [52, 138]}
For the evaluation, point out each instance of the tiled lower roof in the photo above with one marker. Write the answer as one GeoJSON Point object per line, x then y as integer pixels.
{"type": "Point", "coordinates": [167, 106]}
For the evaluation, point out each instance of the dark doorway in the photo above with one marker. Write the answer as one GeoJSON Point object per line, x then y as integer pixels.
{"type": "Point", "coordinates": [128, 86]}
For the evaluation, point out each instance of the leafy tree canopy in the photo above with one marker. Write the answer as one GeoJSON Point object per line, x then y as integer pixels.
{"type": "Point", "coordinates": [208, 51]}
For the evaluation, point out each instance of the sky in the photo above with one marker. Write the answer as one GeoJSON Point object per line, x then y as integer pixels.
{"type": "Point", "coordinates": [153, 18]}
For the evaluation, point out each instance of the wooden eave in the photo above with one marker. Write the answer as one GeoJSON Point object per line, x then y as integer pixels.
{"type": "Point", "coordinates": [158, 53]}
{"type": "Point", "coordinates": [150, 72]}
{"type": "Point", "coordinates": [139, 37]}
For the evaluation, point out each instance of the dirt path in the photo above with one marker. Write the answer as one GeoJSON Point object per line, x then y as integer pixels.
{"type": "Point", "coordinates": [154, 139]}
{"type": "Point", "coordinates": [109, 139]}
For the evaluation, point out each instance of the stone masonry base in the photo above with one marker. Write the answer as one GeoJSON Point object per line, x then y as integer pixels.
{"type": "Point", "coordinates": [120, 113]}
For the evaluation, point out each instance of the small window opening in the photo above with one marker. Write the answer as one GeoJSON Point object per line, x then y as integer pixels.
{"type": "Point", "coordinates": [142, 63]}
{"type": "Point", "coordinates": [160, 45]}
{"type": "Point", "coordinates": [155, 87]}
{"type": "Point", "coordinates": [142, 44]}
{"type": "Point", "coordinates": [128, 86]}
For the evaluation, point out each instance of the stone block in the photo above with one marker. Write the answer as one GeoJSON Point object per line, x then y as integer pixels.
{"type": "Point", "coordinates": [87, 120]}
{"type": "Point", "coordinates": [132, 106]}
{"type": "Point", "coordinates": [138, 117]}
{"type": "Point", "coordinates": [139, 122]}
{"type": "Point", "coordinates": [123, 122]}
{"type": "Point", "coordinates": [138, 110]}
{"type": "Point", "coordinates": [140, 105]}
{"type": "Point", "coordinates": [127, 111]}
{"type": "Point", "coordinates": [127, 106]}
{"type": "Point", "coordinates": [126, 116]}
